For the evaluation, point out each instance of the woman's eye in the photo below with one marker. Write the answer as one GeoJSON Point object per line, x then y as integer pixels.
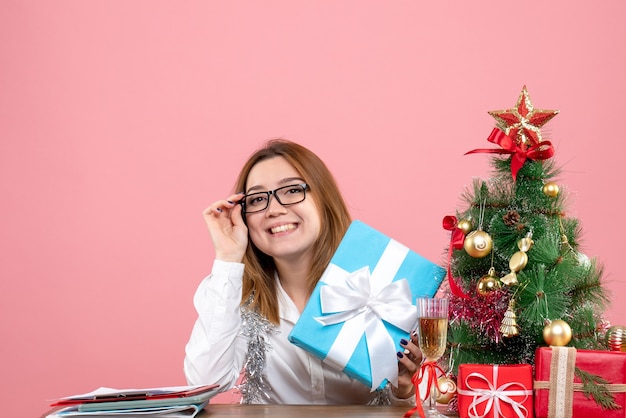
{"type": "Point", "coordinates": [256, 200]}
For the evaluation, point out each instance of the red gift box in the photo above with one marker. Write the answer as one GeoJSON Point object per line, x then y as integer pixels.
{"type": "Point", "coordinates": [494, 391]}
{"type": "Point", "coordinates": [558, 392]}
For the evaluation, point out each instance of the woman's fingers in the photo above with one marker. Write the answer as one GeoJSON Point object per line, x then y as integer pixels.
{"type": "Point", "coordinates": [412, 353]}
{"type": "Point", "coordinates": [224, 206]}
{"type": "Point", "coordinates": [409, 360]}
{"type": "Point", "coordinates": [227, 228]}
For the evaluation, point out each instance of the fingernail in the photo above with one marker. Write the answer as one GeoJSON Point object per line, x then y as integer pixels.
{"type": "Point", "coordinates": [232, 203]}
{"type": "Point", "coordinates": [399, 354]}
{"type": "Point", "coordinates": [218, 209]}
{"type": "Point", "coordinates": [403, 341]}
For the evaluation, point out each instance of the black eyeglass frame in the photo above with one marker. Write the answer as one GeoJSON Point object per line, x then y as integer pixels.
{"type": "Point", "coordinates": [271, 193]}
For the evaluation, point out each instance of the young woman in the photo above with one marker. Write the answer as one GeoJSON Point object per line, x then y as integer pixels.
{"type": "Point", "coordinates": [272, 242]}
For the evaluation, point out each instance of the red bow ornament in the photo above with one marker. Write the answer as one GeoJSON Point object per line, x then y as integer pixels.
{"type": "Point", "coordinates": [427, 371]}
{"type": "Point", "coordinates": [456, 243]}
{"type": "Point", "coordinates": [540, 151]}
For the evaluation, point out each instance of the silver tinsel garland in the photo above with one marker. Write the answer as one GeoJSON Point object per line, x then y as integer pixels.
{"type": "Point", "coordinates": [381, 396]}
{"type": "Point", "coordinates": [253, 388]}
{"type": "Point", "coordinates": [255, 328]}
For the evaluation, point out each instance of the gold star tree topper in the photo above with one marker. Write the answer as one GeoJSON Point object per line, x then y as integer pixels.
{"type": "Point", "coordinates": [523, 122]}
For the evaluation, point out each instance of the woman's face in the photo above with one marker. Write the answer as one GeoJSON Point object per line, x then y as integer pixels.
{"type": "Point", "coordinates": [282, 232]}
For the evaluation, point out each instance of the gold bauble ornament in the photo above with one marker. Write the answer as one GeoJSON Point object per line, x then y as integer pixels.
{"type": "Point", "coordinates": [465, 225]}
{"type": "Point", "coordinates": [551, 189]}
{"type": "Point", "coordinates": [448, 390]}
{"type": "Point", "coordinates": [488, 283]}
{"type": "Point", "coordinates": [616, 338]}
{"type": "Point", "coordinates": [478, 243]}
{"type": "Point", "coordinates": [557, 332]}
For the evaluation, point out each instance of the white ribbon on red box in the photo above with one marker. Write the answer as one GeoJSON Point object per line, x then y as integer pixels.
{"type": "Point", "coordinates": [494, 395]}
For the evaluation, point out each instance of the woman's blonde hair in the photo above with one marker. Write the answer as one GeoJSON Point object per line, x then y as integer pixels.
{"type": "Point", "coordinates": [258, 276]}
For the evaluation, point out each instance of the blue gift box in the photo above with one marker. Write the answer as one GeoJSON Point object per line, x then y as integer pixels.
{"type": "Point", "coordinates": [364, 304]}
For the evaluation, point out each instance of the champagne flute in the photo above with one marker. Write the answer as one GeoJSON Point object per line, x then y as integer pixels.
{"type": "Point", "coordinates": [432, 333]}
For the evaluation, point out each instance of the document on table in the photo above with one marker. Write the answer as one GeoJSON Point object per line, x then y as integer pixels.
{"type": "Point", "coordinates": [183, 411]}
{"type": "Point", "coordinates": [172, 402]}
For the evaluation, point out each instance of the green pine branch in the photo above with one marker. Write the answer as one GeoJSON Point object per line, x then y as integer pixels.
{"type": "Point", "coordinates": [542, 297]}
{"type": "Point", "coordinates": [594, 387]}
{"type": "Point", "coordinates": [589, 287]}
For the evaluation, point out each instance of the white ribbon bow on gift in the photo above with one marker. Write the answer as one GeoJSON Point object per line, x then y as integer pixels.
{"type": "Point", "coordinates": [493, 396]}
{"type": "Point", "coordinates": [362, 302]}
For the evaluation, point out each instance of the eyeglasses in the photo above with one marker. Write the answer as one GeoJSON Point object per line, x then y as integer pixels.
{"type": "Point", "coordinates": [287, 195]}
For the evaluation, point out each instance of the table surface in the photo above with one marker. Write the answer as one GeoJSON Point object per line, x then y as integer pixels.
{"type": "Point", "coordinates": [300, 411]}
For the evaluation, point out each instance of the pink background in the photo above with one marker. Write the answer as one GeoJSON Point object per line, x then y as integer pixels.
{"type": "Point", "coordinates": [120, 121]}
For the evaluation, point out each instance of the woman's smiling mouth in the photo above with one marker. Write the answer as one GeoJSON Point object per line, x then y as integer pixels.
{"type": "Point", "coordinates": [282, 228]}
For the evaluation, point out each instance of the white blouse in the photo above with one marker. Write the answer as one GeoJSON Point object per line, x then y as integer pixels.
{"type": "Point", "coordinates": [217, 349]}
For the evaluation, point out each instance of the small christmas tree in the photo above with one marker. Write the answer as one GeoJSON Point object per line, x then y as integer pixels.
{"type": "Point", "coordinates": [516, 278]}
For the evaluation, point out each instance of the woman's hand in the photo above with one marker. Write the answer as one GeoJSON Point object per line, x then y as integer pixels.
{"type": "Point", "coordinates": [227, 228]}
{"type": "Point", "coordinates": [408, 363]}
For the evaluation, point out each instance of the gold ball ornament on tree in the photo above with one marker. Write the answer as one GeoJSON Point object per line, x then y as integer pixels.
{"type": "Point", "coordinates": [557, 333]}
{"type": "Point", "coordinates": [448, 390]}
{"type": "Point", "coordinates": [551, 189]}
{"type": "Point", "coordinates": [488, 283]}
{"type": "Point", "coordinates": [465, 225]}
{"type": "Point", "coordinates": [616, 338]}
{"type": "Point", "coordinates": [478, 243]}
